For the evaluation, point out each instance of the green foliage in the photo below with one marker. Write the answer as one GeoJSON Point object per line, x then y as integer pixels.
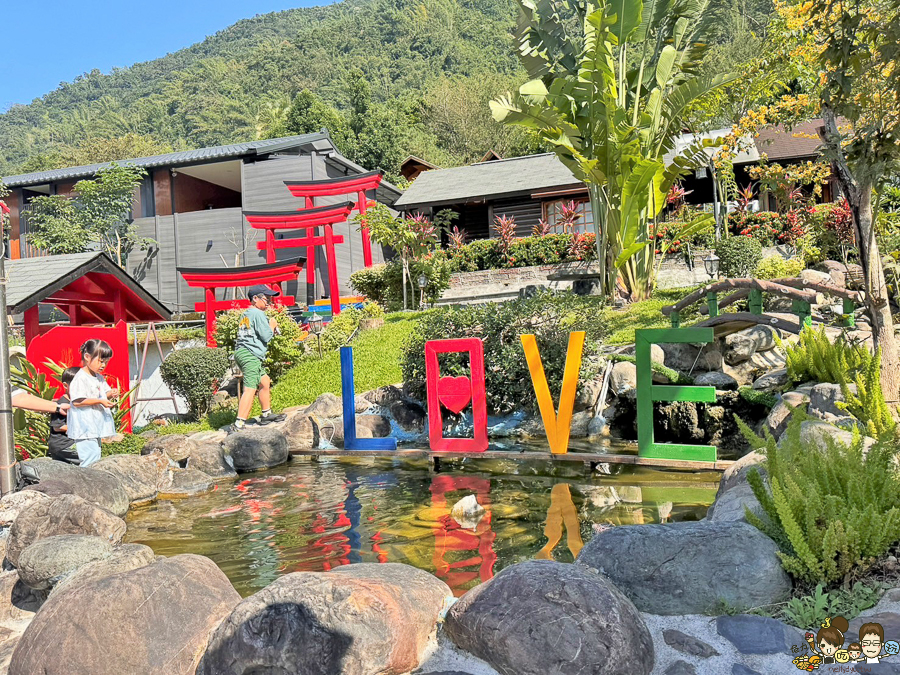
{"type": "Point", "coordinates": [738, 256]}
{"type": "Point", "coordinates": [132, 444]}
{"type": "Point", "coordinates": [811, 610]}
{"type": "Point", "coordinates": [98, 211]}
{"type": "Point", "coordinates": [867, 403]}
{"type": "Point", "coordinates": [672, 375]}
{"type": "Point", "coordinates": [282, 351]}
{"type": "Point", "coordinates": [309, 113]}
{"type": "Point", "coordinates": [376, 363]}
{"type": "Point", "coordinates": [621, 321]}
{"type": "Point", "coordinates": [485, 254]}
{"type": "Point", "coordinates": [30, 429]}
{"type": "Point", "coordinates": [776, 267]}
{"type": "Point", "coordinates": [548, 316]}
{"type": "Point", "coordinates": [831, 510]}
{"type": "Point", "coordinates": [195, 374]}
{"type": "Point", "coordinates": [756, 397]}
{"type": "Point", "coordinates": [384, 283]}
{"type": "Point", "coordinates": [815, 357]}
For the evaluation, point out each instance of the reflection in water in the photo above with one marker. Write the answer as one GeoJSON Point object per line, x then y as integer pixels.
{"type": "Point", "coordinates": [313, 516]}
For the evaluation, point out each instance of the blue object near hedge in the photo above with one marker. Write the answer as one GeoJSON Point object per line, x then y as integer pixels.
{"type": "Point", "coordinates": [348, 399]}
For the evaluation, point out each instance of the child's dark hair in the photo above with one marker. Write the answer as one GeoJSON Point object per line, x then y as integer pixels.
{"type": "Point", "coordinates": [68, 375]}
{"type": "Point", "coordinates": [94, 348]}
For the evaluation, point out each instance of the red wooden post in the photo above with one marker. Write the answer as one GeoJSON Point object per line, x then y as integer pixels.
{"type": "Point", "coordinates": [332, 272]}
{"type": "Point", "coordinates": [119, 307]}
{"type": "Point", "coordinates": [311, 250]}
{"type": "Point", "coordinates": [270, 246]}
{"type": "Point", "coordinates": [74, 315]}
{"type": "Point", "coordinates": [32, 324]}
{"type": "Point", "coordinates": [366, 244]}
{"type": "Point", "coordinates": [211, 316]}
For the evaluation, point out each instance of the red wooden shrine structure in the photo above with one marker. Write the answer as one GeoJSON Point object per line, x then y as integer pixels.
{"type": "Point", "coordinates": [237, 277]}
{"type": "Point", "coordinates": [306, 220]}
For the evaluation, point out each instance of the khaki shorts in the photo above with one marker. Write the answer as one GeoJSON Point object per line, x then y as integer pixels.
{"type": "Point", "coordinates": [250, 366]}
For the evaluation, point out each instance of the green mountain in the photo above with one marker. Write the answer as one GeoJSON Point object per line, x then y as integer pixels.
{"type": "Point", "coordinates": [404, 76]}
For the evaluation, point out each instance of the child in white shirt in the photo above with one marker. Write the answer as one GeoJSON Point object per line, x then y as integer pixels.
{"type": "Point", "coordinates": [90, 417]}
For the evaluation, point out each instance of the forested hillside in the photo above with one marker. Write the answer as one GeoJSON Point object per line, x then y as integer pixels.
{"type": "Point", "coordinates": [395, 77]}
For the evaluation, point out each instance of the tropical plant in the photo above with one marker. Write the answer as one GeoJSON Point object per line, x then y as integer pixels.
{"type": "Point", "coordinates": [98, 212]}
{"type": "Point", "coordinates": [505, 229]}
{"type": "Point", "coordinates": [830, 510]}
{"type": "Point", "coordinates": [609, 97]}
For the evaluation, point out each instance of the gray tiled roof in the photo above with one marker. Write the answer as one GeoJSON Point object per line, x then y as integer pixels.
{"type": "Point", "coordinates": [169, 159]}
{"type": "Point", "coordinates": [33, 279]}
{"type": "Point", "coordinates": [517, 175]}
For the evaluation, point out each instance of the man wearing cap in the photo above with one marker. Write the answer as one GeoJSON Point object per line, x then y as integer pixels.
{"type": "Point", "coordinates": [255, 331]}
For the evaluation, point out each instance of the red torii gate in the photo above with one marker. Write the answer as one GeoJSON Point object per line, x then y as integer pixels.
{"type": "Point", "coordinates": [210, 279]}
{"type": "Point", "coordinates": [344, 185]}
{"type": "Point", "coordinates": [305, 219]}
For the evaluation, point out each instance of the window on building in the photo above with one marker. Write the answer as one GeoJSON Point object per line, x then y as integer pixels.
{"type": "Point", "coordinates": [572, 216]}
{"type": "Point", "coordinates": [148, 199]}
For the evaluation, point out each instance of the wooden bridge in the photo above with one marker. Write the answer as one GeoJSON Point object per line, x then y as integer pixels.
{"type": "Point", "coordinates": [802, 294]}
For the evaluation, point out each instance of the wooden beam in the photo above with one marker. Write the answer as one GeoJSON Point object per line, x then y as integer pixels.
{"type": "Point", "coordinates": [584, 457]}
{"type": "Point", "coordinates": [32, 324]}
{"type": "Point", "coordinates": [731, 284]}
{"type": "Point", "coordinates": [731, 323]}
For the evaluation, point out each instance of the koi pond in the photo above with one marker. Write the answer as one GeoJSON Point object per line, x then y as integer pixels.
{"type": "Point", "coordinates": [312, 515]}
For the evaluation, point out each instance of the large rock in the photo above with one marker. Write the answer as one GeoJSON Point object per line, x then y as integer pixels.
{"type": "Point", "coordinates": [12, 504]}
{"type": "Point", "coordinates": [737, 473]}
{"type": "Point", "coordinates": [748, 371]}
{"type": "Point", "coordinates": [365, 618]}
{"type": "Point", "coordinates": [821, 434]}
{"type": "Point", "coordinates": [815, 277]}
{"type": "Point", "coordinates": [326, 405]}
{"type": "Point", "coordinates": [141, 476]}
{"type": "Point", "coordinates": [187, 483]}
{"type": "Point", "coordinates": [48, 560]}
{"type": "Point", "coordinates": [302, 432]}
{"type": "Point", "coordinates": [742, 345]}
{"type": "Point", "coordinates": [780, 416]}
{"type": "Point", "coordinates": [66, 514]}
{"type": "Point", "coordinates": [729, 506]}
{"type": "Point", "coordinates": [210, 458]}
{"type": "Point", "coordinates": [751, 634]}
{"type": "Point", "coordinates": [623, 378]}
{"type": "Point", "coordinates": [372, 426]}
{"type": "Point", "coordinates": [384, 396]}
{"type": "Point", "coordinates": [542, 617]}
{"type": "Point", "coordinates": [824, 399]}
{"type": "Point", "coordinates": [18, 602]}
{"type": "Point", "coordinates": [123, 558]}
{"type": "Point", "coordinates": [175, 446]}
{"type": "Point", "coordinates": [151, 620]}
{"type": "Point", "coordinates": [409, 415]}
{"type": "Point", "coordinates": [774, 380]}
{"type": "Point", "coordinates": [689, 568]}
{"type": "Point", "coordinates": [689, 358]}
{"type": "Point", "coordinates": [254, 449]}
{"type": "Point", "coordinates": [718, 380]}
{"type": "Point", "coordinates": [96, 487]}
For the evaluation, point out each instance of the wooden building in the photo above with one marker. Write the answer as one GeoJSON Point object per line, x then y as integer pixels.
{"type": "Point", "coordinates": [191, 203]}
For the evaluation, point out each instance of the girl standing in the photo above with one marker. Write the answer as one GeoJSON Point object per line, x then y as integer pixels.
{"type": "Point", "coordinates": [90, 417]}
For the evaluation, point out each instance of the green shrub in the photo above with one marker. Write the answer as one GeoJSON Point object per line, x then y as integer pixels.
{"type": "Point", "coordinates": [384, 283]}
{"type": "Point", "coordinates": [867, 404]}
{"type": "Point", "coordinates": [132, 444]}
{"type": "Point", "coordinates": [815, 357]}
{"type": "Point", "coordinates": [370, 282]}
{"type": "Point", "coordinates": [195, 374]}
{"type": "Point", "coordinates": [283, 350]}
{"type": "Point", "coordinates": [549, 249]}
{"type": "Point", "coordinates": [756, 397]}
{"type": "Point", "coordinates": [738, 256]}
{"type": "Point", "coordinates": [776, 267]}
{"type": "Point", "coordinates": [831, 511]}
{"type": "Point", "coordinates": [548, 316]}
{"type": "Point", "coordinates": [813, 609]}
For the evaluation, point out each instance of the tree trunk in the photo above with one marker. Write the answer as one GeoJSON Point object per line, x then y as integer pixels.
{"type": "Point", "coordinates": [404, 274]}
{"type": "Point", "coordinates": [859, 196]}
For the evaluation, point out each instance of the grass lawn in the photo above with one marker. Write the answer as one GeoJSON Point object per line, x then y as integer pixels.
{"type": "Point", "coordinates": [645, 314]}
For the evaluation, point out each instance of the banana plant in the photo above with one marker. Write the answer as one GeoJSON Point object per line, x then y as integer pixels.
{"type": "Point", "coordinates": [611, 83]}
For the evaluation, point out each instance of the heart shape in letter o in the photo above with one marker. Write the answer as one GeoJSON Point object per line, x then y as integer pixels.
{"type": "Point", "coordinates": [455, 393]}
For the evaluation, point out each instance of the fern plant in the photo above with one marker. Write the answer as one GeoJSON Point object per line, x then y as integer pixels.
{"type": "Point", "coordinates": [867, 404]}
{"type": "Point", "coordinates": [831, 510]}
{"type": "Point", "coordinates": [815, 357]}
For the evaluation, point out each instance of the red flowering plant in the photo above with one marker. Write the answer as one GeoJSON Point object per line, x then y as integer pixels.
{"type": "Point", "coordinates": [505, 229]}
{"type": "Point", "coordinates": [568, 215]}
{"type": "Point", "coordinates": [457, 238]}
{"type": "Point", "coordinates": [541, 229]}
{"type": "Point", "coordinates": [581, 247]}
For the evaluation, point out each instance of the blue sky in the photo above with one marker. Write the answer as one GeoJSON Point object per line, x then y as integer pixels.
{"type": "Point", "coordinates": [46, 42]}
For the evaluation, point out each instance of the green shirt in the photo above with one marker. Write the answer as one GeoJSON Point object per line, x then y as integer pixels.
{"type": "Point", "coordinates": [254, 332]}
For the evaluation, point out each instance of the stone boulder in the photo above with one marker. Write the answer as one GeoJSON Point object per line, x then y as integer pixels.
{"type": "Point", "coordinates": [815, 277]}
{"type": "Point", "coordinates": [326, 405]}
{"type": "Point", "coordinates": [774, 380]}
{"type": "Point", "coordinates": [409, 415]}
{"type": "Point", "coordinates": [18, 602]}
{"type": "Point", "coordinates": [720, 381]}
{"type": "Point", "coordinates": [779, 417]}
{"type": "Point", "coordinates": [97, 487]}
{"type": "Point", "coordinates": [151, 620]}
{"type": "Point", "coordinates": [689, 567]}
{"type": "Point", "coordinates": [742, 345]}
{"type": "Point", "coordinates": [729, 505]}
{"type": "Point", "coordinates": [141, 476]}
{"type": "Point", "coordinates": [824, 399]}
{"type": "Point", "coordinates": [254, 449]}
{"type": "Point", "coordinates": [175, 446]}
{"type": "Point", "coordinates": [384, 396]}
{"type": "Point", "coordinates": [623, 378]}
{"type": "Point", "coordinates": [820, 434]}
{"type": "Point", "coordinates": [542, 617]}
{"type": "Point", "coordinates": [302, 432]}
{"type": "Point", "coordinates": [211, 459]}
{"type": "Point", "coordinates": [686, 357]}
{"type": "Point", "coordinates": [48, 560]}
{"type": "Point", "coordinates": [364, 618]}
{"type": "Point", "coordinates": [751, 634]}
{"type": "Point", "coordinates": [187, 483]}
{"type": "Point", "coordinates": [66, 514]}
{"type": "Point", "coordinates": [737, 473]}
{"type": "Point", "coordinates": [123, 558]}
{"type": "Point", "coordinates": [11, 505]}
{"type": "Point", "coordinates": [748, 371]}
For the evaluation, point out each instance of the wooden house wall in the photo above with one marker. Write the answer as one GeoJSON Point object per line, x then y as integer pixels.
{"type": "Point", "coordinates": [525, 210]}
